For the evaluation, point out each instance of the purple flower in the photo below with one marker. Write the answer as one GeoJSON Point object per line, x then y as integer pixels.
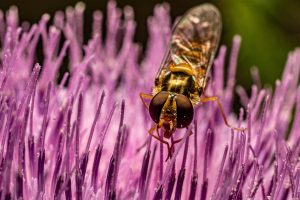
{"type": "Point", "coordinates": [78, 138]}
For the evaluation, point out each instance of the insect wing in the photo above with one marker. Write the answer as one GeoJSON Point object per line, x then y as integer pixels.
{"type": "Point", "coordinates": [195, 39]}
{"type": "Point", "coordinates": [165, 63]}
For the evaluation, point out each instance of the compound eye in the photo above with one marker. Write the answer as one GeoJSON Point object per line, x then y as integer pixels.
{"type": "Point", "coordinates": [185, 111]}
{"type": "Point", "coordinates": [156, 105]}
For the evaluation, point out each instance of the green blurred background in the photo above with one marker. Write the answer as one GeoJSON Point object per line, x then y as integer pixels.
{"type": "Point", "coordinates": [269, 28]}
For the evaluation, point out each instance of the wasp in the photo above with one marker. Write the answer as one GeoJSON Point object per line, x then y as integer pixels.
{"type": "Point", "coordinates": [183, 74]}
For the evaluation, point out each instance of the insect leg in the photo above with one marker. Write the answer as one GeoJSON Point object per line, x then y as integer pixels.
{"type": "Point", "coordinates": [151, 130]}
{"type": "Point", "coordinates": [216, 99]}
{"type": "Point", "coordinates": [179, 140]}
{"type": "Point", "coordinates": [168, 146]}
{"type": "Point", "coordinates": [155, 127]}
{"type": "Point", "coordinates": [159, 138]}
{"type": "Point", "coordinates": [144, 96]}
{"type": "Point", "coordinates": [142, 146]}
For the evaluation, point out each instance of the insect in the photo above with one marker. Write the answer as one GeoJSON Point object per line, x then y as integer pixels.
{"type": "Point", "coordinates": [182, 77]}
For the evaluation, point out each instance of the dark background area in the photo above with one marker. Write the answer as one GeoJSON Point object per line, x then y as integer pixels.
{"type": "Point", "coordinates": [269, 29]}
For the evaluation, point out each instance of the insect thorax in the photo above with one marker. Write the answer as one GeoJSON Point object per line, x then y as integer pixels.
{"type": "Point", "coordinates": [179, 83]}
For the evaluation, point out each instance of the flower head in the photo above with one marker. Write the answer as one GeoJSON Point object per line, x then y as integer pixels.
{"type": "Point", "coordinates": [78, 138]}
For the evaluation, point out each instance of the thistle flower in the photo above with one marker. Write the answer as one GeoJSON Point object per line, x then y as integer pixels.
{"type": "Point", "coordinates": [77, 138]}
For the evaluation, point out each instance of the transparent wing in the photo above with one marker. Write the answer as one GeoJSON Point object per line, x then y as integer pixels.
{"type": "Point", "coordinates": [195, 39]}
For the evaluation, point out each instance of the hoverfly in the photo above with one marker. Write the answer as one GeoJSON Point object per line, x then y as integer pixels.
{"type": "Point", "coordinates": [182, 77]}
